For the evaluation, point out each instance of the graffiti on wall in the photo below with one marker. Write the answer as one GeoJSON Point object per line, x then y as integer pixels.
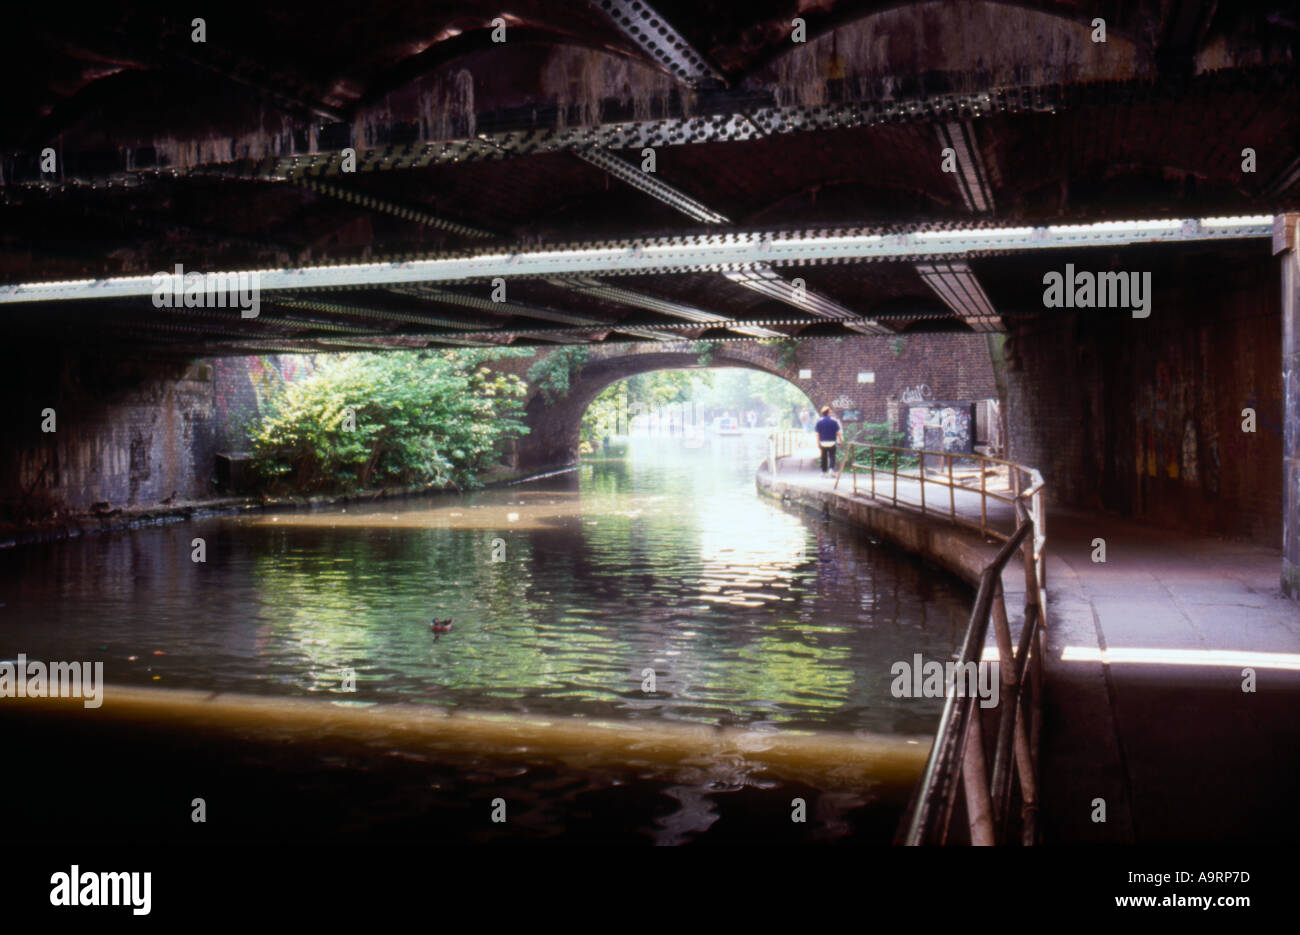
{"type": "Point", "coordinates": [915, 395]}
{"type": "Point", "coordinates": [1176, 429]}
{"type": "Point", "coordinates": [246, 385]}
{"type": "Point", "coordinates": [1190, 462]}
{"type": "Point", "coordinates": [1161, 430]}
{"type": "Point", "coordinates": [954, 420]}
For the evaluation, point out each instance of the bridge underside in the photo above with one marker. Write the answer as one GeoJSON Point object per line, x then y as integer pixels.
{"type": "Point", "coordinates": [573, 175]}
{"type": "Point", "coordinates": [577, 172]}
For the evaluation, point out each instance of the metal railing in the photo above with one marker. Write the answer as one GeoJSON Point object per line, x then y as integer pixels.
{"type": "Point", "coordinates": [781, 444]}
{"type": "Point", "coordinates": [1018, 486]}
{"type": "Point", "coordinates": [959, 755]}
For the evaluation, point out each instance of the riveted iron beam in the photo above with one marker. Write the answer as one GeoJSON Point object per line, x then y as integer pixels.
{"type": "Point", "coordinates": [956, 284]}
{"type": "Point", "coordinates": [652, 185]}
{"type": "Point", "coordinates": [356, 311]}
{"type": "Point", "coordinates": [971, 176]}
{"type": "Point", "coordinates": [772, 281]}
{"type": "Point", "coordinates": [637, 20]}
{"type": "Point", "coordinates": [406, 212]}
{"type": "Point", "coordinates": [514, 308]}
{"type": "Point", "coordinates": [739, 119]}
{"type": "Point", "coordinates": [502, 309]}
{"type": "Point", "coordinates": [692, 253]}
{"type": "Point", "coordinates": [720, 116]}
{"type": "Point", "coordinates": [765, 281]}
{"type": "Point", "coordinates": [601, 290]}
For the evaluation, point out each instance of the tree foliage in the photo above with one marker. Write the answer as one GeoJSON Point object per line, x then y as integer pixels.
{"type": "Point", "coordinates": [706, 351]}
{"type": "Point", "coordinates": [368, 420]}
{"type": "Point", "coordinates": [553, 372]}
{"type": "Point", "coordinates": [731, 390]}
{"type": "Point", "coordinates": [786, 349]}
{"type": "Point", "coordinates": [610, 411]}
{"type": "Point", "coordinates": [878, 433]}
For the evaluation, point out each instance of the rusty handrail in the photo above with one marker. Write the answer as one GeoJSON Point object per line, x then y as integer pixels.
{"type": "Point", "coordinates": [958, 756]}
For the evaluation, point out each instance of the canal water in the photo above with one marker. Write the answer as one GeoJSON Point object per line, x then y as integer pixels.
{"type": "Point", "coordinates": [652, 584]}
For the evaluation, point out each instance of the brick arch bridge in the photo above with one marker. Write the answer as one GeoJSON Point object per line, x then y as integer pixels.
{"type": "Point", "coordinates": [954, 366]}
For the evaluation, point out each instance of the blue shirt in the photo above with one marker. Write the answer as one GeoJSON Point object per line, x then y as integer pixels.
{"type": "Point", "coordinates": [827, 429]}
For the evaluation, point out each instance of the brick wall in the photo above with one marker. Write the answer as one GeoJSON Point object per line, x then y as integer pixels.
{"type": "Point", "coordinates": [952, 366]}
{"type": "Point", "coordinates": [128, 432]}
{"type": "Point", "coordinates": [1143, 416]}
{"type": "Point", "coordinates": [241, 386]}
{"type": "Point", "coordinates": [133, 432]}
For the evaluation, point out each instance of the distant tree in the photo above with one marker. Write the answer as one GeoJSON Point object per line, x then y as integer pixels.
{"type": "Point", "coordinates": [728, 389]}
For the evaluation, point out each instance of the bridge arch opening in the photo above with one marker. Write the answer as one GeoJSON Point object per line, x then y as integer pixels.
{"type": "Point", "coordinates": [555, 424]}
{"type": "Point", "coordinates": [692, 402]}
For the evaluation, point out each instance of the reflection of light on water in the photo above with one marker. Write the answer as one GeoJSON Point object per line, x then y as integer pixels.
{"type": "Point", "coordinates": [686, 570]}
{"type": "Point", "coordinates": [526, 510]}
{"type": "Point", "coordinates": [748, 557]}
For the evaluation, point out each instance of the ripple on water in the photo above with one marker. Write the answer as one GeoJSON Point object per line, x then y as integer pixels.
{"type": "Point", "coordinates": [737, 608]}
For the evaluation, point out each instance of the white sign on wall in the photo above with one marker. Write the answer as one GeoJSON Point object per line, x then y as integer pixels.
{"type": "Point", "coordinates": [866, 376]}
{"type": "Point", "coordinates": [805, 374]}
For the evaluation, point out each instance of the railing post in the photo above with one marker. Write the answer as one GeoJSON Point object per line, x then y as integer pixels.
{"type": "Point", "coordinates": [1031, 567]}
{"type": "Point", "coordinates": [1000, 787]}
{"type": "Point", "coordinates": [872, 449]}
{"type": "Point", "coordinates": [920, 472]}
{"type": "Point", "coordinates": [1025, 766]}
{"type": "Point", "coordinates": [952, 491]}
{"type": "Point", "coordinates": [984, 501]}
{"type": "Point", "coordinates": [959, 751]}
{"type": "Point", "coordinates": [974, 779]}
{"type": "Point", "coordinates": [1040, 532]}
{"type": "Point", "coordinates": [1036, 684]}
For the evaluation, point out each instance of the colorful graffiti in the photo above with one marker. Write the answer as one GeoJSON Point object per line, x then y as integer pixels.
{"type": "Point", "coordinates": [1190, 463]}
{"type": "Point", "coordinates": [953, 419]}
{"type": "Point", "coordinates": [1176, 427]}
{"type": "Point", "coordinates": [246, 385]}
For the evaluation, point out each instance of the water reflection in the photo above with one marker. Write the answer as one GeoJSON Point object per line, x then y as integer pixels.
{"type": "Point", "coordinates": [664, 559]}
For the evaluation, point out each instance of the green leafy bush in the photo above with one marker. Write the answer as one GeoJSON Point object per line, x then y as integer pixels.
{"type": "Point", "coordinates": [786, 349]}
{"type": "Point", "coordinates": [363, 421]}
{"type": "Point", "coordinates": [553, 372]}
{"type": "Point", "coordinates": [706, 351]}
{"type": "Point", "coordinates": [879, 433]}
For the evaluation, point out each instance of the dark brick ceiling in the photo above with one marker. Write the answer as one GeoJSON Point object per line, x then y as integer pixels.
{"type": "Point", "coordinates": [176, 152]}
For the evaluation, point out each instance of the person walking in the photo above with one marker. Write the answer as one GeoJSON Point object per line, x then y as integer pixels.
{"type": "Point", "coordinates": [829, 433]}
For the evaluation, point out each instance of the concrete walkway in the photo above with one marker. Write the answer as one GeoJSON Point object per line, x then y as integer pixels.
{"type": "Point", "coordinates": [1147, 656]}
